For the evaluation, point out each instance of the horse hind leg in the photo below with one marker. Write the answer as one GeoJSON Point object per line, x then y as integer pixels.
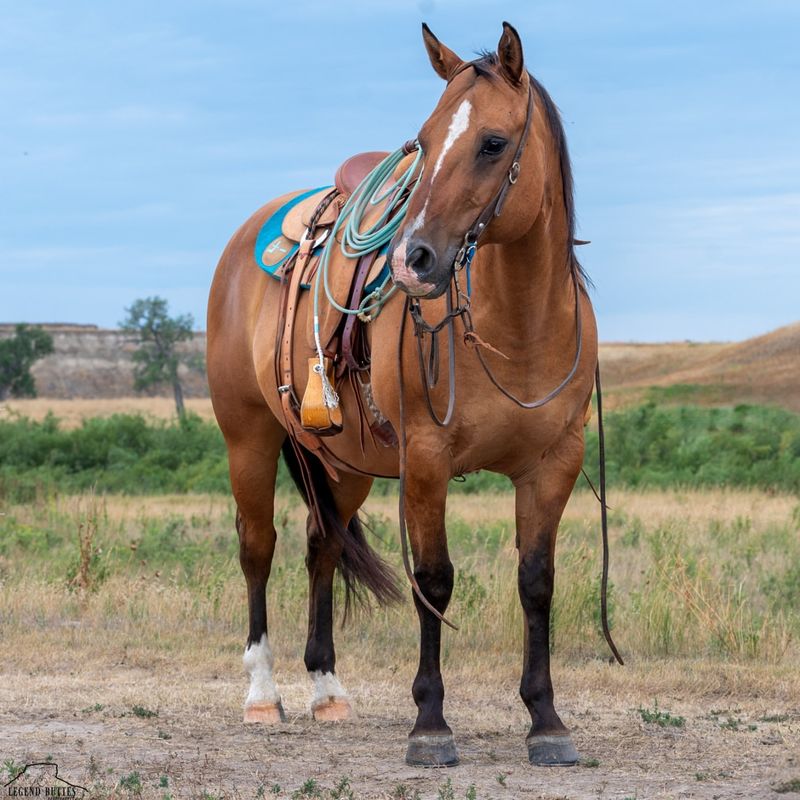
{"type": "Point", "coordinates": [335, 540]}
{"type": "Point", "coordinates": [253, 459]}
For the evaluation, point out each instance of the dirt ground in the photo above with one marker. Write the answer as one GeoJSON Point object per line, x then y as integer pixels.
{"type": "Point", "coordinates": [740, 738]}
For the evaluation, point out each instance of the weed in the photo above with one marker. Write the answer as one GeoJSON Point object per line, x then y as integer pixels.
{"type": "Point", "coordinates": [164, 734]}
{"type": "Point", "coordinates": [308, 789]}
{"type": "Point", "coordinates": [143, 713]}
{"type": "Point", "coordinates": [95, 708]}
{"type": "Point", "coordinates": [661, 718]}
{"type": "Point", "coordinates": [701, 776]}
{"type": "Point", "coordinates": [589, 762]}
{"type": "Point", "coordinates": [276, 789]}
{"type": "Point", "coordinates": [12, 769]}
{"type": "Point", "coordinates": [792, 785]}
{"type": "Point", "coordinates": [93, 768]}
{"type": "Point", "coordinates": [472, 793]}
{"type": "Point", "coordinates": [501, 778]}
{"type": "Point", "coordinates": [132, 783]}
{"type": "Point", "coordinates": [163, 782]}
{"type": "Point", "coordinates": [446, 791]}
{"type": "Point", "coordinates": [776, 718]}
{"type": "Point", "coordinates": [342, 791]}
{"type": "Point", "coordinates": [403, 792]}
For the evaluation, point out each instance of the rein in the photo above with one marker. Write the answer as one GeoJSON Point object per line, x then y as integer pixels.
{"type": "Point", "coordinates": [429, 375]}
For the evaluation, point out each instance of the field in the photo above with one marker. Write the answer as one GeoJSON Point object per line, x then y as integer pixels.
{"type": "Point", "coordinates": [124, 667]}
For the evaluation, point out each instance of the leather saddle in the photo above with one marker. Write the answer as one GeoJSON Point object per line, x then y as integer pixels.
{"type": "Point", "coordinates": [306, 225]}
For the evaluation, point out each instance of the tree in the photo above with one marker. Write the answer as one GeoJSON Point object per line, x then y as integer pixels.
{"type": "Point", "coordinates": [158, 357]}
{"type": "Point", "coordinates": [17, 355]}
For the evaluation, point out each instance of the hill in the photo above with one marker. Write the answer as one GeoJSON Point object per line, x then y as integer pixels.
{"type": "Point", "coordinates": [764, 369]}
{"type": "Point", "coordinates": [95, 363]}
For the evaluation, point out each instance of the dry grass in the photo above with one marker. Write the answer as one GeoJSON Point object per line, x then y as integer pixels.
{"type": "Point", "coordinates": [73, 412]}
{"type": "Point", "coordinates": [164, 625]}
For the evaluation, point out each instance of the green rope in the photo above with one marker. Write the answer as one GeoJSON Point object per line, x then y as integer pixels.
{"type": "Point", "coordinates": [356, 243]}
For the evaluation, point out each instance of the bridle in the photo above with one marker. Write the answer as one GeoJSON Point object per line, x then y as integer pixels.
{"type": "Point", "coordinates": [461, 309]}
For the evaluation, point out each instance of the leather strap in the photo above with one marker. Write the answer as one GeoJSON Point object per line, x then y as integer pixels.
{"type": "Point", "coordinates": [362, 271]}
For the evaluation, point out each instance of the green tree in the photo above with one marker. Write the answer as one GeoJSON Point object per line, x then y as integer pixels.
{"type": "Point", "coordinates": [158, 357]}
{"type": "Point", "coordinates": [17, 355]}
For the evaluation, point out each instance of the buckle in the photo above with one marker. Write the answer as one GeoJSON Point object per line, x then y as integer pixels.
{"type": "Point", "coordinates": [513, 172]}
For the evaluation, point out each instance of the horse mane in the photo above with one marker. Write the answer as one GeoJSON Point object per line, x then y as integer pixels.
{"type": "Point", "coordinates": [485, 66]}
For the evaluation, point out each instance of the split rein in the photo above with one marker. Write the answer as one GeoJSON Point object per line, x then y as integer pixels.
{"type": "Point", "coordinates": [429, 374]}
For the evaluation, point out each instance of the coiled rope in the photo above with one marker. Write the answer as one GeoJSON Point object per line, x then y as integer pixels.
{"type": "Point", "coordinates": [376, 188]}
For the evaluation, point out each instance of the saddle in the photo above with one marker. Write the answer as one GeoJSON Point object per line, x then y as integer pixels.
{"type": "Point", "coordinates": [289, 247]}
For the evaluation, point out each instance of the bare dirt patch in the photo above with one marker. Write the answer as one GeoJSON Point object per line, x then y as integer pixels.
{"type": "Point", "coordinates": [740, 738]}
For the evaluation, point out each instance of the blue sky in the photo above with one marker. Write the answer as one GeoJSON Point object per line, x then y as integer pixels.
{"type": "Point", "coordinates": [136, 137]}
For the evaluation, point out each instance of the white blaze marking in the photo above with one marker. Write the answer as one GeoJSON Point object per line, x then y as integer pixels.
{"type": "Point", "coordinates": [326, 685]}
{"type": "Point", "coordinates": [258, 662]}
{"type": "Point", "coordinates": [458, 124]}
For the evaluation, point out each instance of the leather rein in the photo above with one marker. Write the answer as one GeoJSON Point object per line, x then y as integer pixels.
{"type": "Point", "coordinates": [429, 373]}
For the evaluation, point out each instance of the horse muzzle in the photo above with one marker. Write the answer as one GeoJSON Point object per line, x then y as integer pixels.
{"type": "Point", "coordinates": [415, 269]}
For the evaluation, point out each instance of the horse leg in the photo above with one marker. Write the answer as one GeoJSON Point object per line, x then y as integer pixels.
{"type": "Point", "coordinates": [539, 506]}
{"type": "Point", "coordinates": [326, 551]}
{"type": "Point", "coordinates": [253, 457]}
{"type": "Point", "coordinates": [430, 742]}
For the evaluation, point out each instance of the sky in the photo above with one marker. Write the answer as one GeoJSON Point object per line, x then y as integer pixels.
{"type": "Point", "coordinates": [136, 137]}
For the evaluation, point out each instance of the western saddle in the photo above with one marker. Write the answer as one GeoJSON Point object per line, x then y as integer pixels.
{"type": "Point", "coordinates": [308, 225]}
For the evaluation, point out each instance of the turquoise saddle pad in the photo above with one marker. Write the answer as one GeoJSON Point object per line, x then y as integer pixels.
{"type": "Point", "coordinates": [270, 235]}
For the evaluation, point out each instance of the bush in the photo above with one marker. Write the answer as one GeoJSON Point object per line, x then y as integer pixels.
{"type": "Point", "coordinates": [646, 446]}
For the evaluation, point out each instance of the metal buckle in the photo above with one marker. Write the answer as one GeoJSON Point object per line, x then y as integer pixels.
{"type": "Point", "coordinates": [285, 388]}
{"type": "Point", "coordinates": [513, 172]}
{"type": "Point", "coordinates": [315, 243]}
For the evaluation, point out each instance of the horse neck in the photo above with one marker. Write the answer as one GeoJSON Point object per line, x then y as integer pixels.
{"type": "Point", "coordinates": [523, 292]}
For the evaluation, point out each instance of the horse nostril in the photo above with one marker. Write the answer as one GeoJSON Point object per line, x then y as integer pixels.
{"type": "Point", "coordinates": [421, 258]}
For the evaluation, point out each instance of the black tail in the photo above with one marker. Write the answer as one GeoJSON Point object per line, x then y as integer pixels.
{"type": "Point", "coordinates": [359, 566]}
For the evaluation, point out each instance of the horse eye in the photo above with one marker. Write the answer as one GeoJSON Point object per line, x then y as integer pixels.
{"type": "Point", "coordinates": [493, 146]}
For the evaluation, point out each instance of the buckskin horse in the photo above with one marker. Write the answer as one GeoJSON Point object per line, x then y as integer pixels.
{"type": "Point", "coordinates": [494, 198]}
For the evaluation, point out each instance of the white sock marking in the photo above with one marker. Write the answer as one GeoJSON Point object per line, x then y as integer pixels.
{"type": "Point", "coordinates": [326, 685]}
{"type": "Point", "coordinates": [258, 662]}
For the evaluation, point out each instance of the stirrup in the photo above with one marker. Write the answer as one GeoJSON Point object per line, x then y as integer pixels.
{"type": "Point", "coordinates": [314, 414]}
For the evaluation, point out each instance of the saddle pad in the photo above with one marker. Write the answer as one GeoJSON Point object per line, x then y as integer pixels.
{"type": "Point", "coordinates": [273, 249]}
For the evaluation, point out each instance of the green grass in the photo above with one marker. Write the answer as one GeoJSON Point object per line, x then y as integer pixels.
{"type": "Point", "coordinates": [652, 445]}
{"type": "Point", "coordinates": [664, 719]}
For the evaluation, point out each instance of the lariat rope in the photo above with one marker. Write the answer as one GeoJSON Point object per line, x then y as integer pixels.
{"type": "Point", "coordinates": [375, 189]}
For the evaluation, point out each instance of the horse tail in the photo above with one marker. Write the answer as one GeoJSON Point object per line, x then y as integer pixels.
{"type": "Point", "coordinates": [360, 567]}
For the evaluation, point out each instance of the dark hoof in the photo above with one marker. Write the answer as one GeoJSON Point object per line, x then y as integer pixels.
{"type": "Point", "coordinates": [436, 750]}
{"type": "Point", "coordinates": [552, 751]}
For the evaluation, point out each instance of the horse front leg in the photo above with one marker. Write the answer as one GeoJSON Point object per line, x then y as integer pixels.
{"type": "Point", "coordinates": [539, 506]}
{"type": "Point", "coordinates": [430, 743]}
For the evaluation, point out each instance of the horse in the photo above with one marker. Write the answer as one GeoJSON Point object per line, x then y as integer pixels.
{"type": "Point", "coordinates": [495, 195]}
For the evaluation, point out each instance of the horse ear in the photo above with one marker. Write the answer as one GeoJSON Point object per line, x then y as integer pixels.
{"type": "Point", "coordinates": [509, 51]}
{"type": "Point", "coordinates": [443, 59]}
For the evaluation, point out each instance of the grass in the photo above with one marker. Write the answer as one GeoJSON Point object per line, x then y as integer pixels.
{"type": "Point", "coordinates": [664, 719]}
{"type": "Point", "coordinates": [650, 445]}
{"type": "Point", "coordinates": [693, 575]}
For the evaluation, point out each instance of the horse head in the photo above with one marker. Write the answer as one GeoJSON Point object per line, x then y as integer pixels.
{"type": "Point", "coordinates": [477, 147]}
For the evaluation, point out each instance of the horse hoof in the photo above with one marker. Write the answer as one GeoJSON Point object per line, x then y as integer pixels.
{"type": "Point", "coordinates": [552, 751]}
{"type": "Point", "coordinates": [332, 709]}
{"type": "Point", "coordinates": [264, 713]}
{"type": "Point", "coordinates": [436, 750]}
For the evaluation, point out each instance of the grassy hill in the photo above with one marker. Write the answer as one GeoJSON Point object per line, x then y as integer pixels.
{"type": "Point", "coordinates": [764, 370]}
